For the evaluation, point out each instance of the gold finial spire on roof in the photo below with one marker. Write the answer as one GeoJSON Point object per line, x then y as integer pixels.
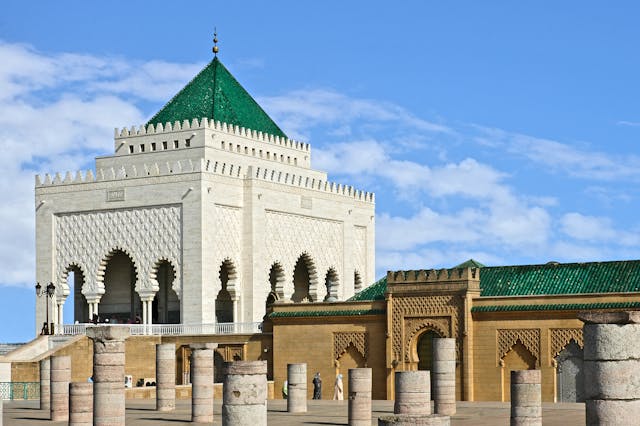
{"type": "Point", "coordinates": [215, 42]}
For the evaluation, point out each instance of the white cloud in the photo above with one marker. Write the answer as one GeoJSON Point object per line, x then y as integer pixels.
{"type": "Point", "coordinates": [56, 112]}
{"type": "Point", "coordinates": [556, 156]}
{"type": "Point", "coordinates": [301, 110]}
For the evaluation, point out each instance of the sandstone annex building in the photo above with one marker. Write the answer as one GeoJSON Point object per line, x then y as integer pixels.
{"type": "Point", "coordinates": [208, 224]}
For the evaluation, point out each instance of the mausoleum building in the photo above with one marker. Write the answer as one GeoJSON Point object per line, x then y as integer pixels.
{"type": "Point", "coordinates": [206, 214]}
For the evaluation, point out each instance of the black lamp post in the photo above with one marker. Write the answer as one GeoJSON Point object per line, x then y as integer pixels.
{"type": "Point", "coordinates": [49, 291]}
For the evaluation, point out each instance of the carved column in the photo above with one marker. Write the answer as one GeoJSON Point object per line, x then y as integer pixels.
{"type": "Point", "coordinates": [60, 378]}
{"type": "Point", "coordinates": [166, 377]}
{"type": "Point", "coordinates": [45, 384]}
{"type": "Point", "coordinates": [526, 398]}
{"type": "Point", "coordinates": [108, 374]}
{"type": "Point", "coordinates": [245, 393]}
{"type": "Point", "coordinates": [359, 397]}
{"type": "Point", "coordinates": [611, 364]}
{"type": "Point", "coordinates": [202, 382]}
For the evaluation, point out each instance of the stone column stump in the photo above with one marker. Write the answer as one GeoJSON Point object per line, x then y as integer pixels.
{"type": "Point", "coordinates": [359, 397]}
{"type": "Point", "coordinates": [413, 393]}
{"type": "Point", "coordinates": [166, 377]}
{"type": "Point", "coordinates": [414, 420]}
{"type": "Point", "coordinates": [45, 384]}
{"type": "Point", "coordinates": [611, 365]}
{"type": "Point", "coordinates": [297, 388]}
{"type": "Point", "coordinates": [202, 382]}
{"type": "Point", "coordinates": [81, 404]}
{"type": "Point", "coordinates": [443, 374]}
{"type": "Point", "coordinates": [244, 393]}
{"type": "Point", "coordinates": [108, 374]}
{"type": "Point", "coordinates": [526, 398]}
{"type": "Point", "coordinates": [60, 378]}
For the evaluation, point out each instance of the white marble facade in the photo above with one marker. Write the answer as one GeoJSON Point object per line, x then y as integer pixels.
{"type": "Point", "coordinates": [215, 206]}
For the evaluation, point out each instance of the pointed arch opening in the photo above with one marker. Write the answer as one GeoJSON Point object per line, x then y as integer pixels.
{"type": "Point", "coordinates": [75, 278]}
{"type": "Point", "coordinates": [517, 357]}
{"type": "Point", "coordinates": [331, 285]}
{"type": "Point", "coordinates": [224, 299]}
{"type": "Point", "coordinates": [166, 305]}
{"type": "Point", "coordinates": [357, 281]}
{"type": "Point", "coordinates": [304, 279]}
{"type": "Point", "coordinates": [120, 302]}
{"type": "Point", "coordinates": [276, 285]}
{"type": "Point", "coordinates": [570, 374]}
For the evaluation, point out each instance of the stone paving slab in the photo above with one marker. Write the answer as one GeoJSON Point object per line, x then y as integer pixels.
{"type": "Point", "coordinates": [321, 413]}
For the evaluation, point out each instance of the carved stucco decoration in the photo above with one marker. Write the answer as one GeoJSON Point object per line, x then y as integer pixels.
{"type": "Point", "coordinates": [228, 238]}
{"type": "Point", "coordinates": [360, 250]}
{"type": "Point", "coordinates": [342, 340]}
{"type": "Point", "coordinates": [529, 337]}
{"type": "Point", "coordinates": [561, 337]}
{"type": "Point", "coordinates": [444, 311]}
{"type": "Point", "coordinates": [288, 236]}
{"type": "Point", "coordinates": [414, 326]}
{"type": "Point", "coordinates": [148, 235]}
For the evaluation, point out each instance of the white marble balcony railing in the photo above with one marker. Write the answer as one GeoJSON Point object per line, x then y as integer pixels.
{"type": "Point", "coordinates": [174, 329]}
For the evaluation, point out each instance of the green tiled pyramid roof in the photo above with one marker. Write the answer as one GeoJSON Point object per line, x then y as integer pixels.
{"type": "Point", "coordinates": [469, 264]}
{"type": "Point", "coordinates": [214, 93]}
{"type": "Point", "coordinates": [551, 278]}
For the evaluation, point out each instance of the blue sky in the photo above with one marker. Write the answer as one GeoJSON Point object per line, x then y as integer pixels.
{"type": "Point", "coordinates": [503, 131]}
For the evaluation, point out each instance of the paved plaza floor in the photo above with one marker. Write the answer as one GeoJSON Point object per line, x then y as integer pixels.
{"type": "Point", "coordinates": [323, 413]}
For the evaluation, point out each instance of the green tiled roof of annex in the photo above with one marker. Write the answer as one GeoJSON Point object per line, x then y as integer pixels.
{"type": "Point", "coordinates": [551, 278]}
{"type": "Point", "coordinates": [215, 94]}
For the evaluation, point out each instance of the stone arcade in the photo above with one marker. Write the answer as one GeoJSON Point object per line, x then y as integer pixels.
{"type": "Point", "coordinates": [205, 214]}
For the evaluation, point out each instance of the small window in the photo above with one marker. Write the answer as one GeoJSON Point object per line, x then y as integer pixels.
{"type": "Point", "coordinates": [187, 143]}
{"type": "Point", "coordinates": [153, 146]}
{"type": "Point", "coordinates": [295, 161]}
{"type": "Point", "coordinates": [130, 149]}
{"type": "Point", "coordinates": [246, 150]}
{"type": "Point", "coordinates": [222, 145]}
{"type": "Point", "coordinates": [282, 158]}
{"type": "Point", "coordinates": [237, 148]}
{"type": "Point", "coordinates": [164, 145]}
{"type": "Point", "coordinates": [142, 148]}
{"type": "Point", "coordinates": [176, 144]}
{"type": "Point", "coordinates": [253, 152]}
{"type": "Point", "coordinates": [260, 153]}
{"type": "Point", "coordinates": [288, 160]}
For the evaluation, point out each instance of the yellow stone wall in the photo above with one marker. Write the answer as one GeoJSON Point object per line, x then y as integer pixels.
{"type": "Point", "coordinates": [312, 340]}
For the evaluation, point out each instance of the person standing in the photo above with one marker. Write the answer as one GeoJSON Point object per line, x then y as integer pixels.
{"type": "Point", "coordinates": [317, 386]}
{"type": "Point", "coordinates": [338, 392]}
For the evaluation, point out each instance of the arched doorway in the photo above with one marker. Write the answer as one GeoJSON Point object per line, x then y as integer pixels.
{"type": "Point", "coordinates": [350, 358]}
{"type": "Point", "coordinates": [569, 374]}
{"type": "Point", "coordinates": [224, 301]}
{"type": "Point", "coordinates": [517, 358]}
{"type": "Point", "coordinates": [75, 280]}
{"type": "Point", "coordinates": [120, 302]}
{"type": "Point", "coordinates": [276, 284]}
{"type": "Point", "coordinates": [331, 285]}
{"type": "Point", "coordinates": [303, 274]}
{"type": "Point", "coordinates": [166, 305]}
{"type": "Point", "coordinates": [424, 348]}
{"type": "Point", "coordinates": [357, 281]}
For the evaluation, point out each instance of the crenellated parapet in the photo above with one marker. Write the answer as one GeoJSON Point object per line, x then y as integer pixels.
{"type": "Point", "coordinates": [302, 181]}
{"type": "Point", "coordinates": [436, 280]}
{"type": "Point", "coordinates": [155, 169]}
{"type": "Point", "coordinates": [218, 126]}
{"type": "Point", "coordinates": [433, 275]}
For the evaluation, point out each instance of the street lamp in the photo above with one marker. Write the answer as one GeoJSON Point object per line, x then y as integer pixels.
{"type": "Point", "coordinates": [50, 291]}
